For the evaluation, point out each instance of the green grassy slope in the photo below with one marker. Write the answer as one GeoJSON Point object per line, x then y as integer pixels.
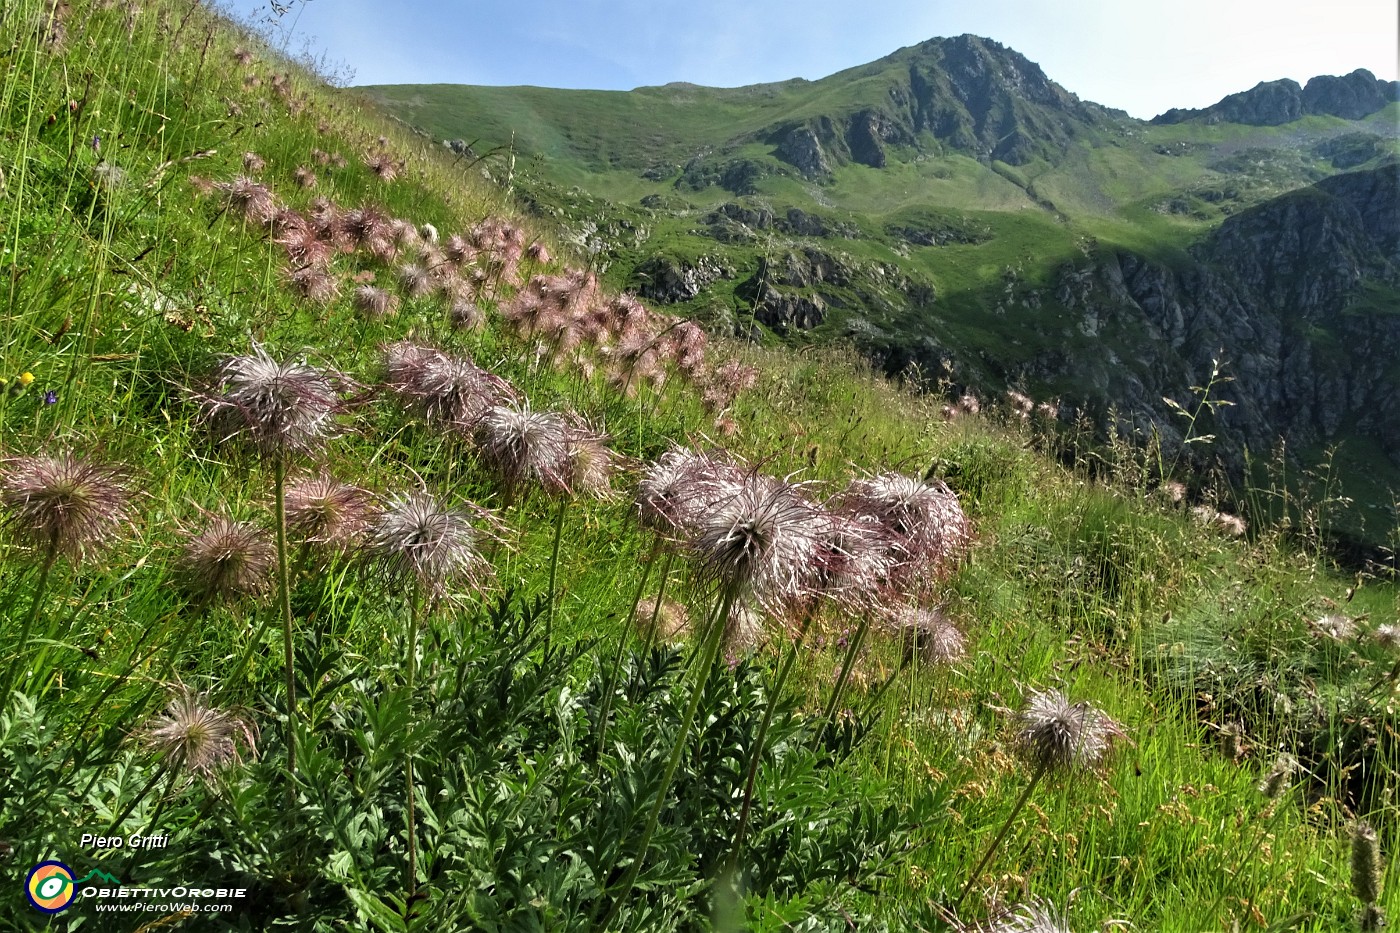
{"type": "Point", "coordinates": [128, 274]}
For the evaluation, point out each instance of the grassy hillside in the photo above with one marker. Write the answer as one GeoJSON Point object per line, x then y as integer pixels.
{"type": "Point", "coordinates": [656, 164]}
{"type": "Point", "coordinates": [368, 709]}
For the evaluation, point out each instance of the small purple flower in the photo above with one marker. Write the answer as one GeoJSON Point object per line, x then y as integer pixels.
{"type": "Point", "coordinates": [96, 143]}
{"type": "Point", "coordinates": [50, 397]}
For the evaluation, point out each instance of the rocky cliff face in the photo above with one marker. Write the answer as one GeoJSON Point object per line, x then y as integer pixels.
{"type": "Point", "coordinates": [969, 93]}
{"type": "Point", "coordinates": [1274, 103]}
{"type": "Point", "coordinates": [1285, 295]}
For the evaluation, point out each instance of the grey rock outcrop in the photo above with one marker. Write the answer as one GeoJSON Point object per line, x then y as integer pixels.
{"type": "Point", "coordinates": [1273, 103]}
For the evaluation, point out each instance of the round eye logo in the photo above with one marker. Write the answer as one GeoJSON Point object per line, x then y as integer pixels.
{"type": "Point", "coordinates": [50, 887]}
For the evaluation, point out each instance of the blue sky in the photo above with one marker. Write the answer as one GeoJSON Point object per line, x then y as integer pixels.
{"type": "Point", "coordinates": [1142, 57]}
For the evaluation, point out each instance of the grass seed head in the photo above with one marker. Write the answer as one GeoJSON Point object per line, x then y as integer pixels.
{"type": "Point", "coordinates": [1366, 866]}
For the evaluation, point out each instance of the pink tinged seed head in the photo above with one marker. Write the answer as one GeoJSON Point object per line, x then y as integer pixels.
{"type": "Point", "coordinates": [375, 303]}
{"type": "Point", "coordinates": [313, 283]}
{"type": "Point", "coordinates": [929, 531]}
{"type": "Point", "coordinates": [525, 446]}
{"type": "Point", "coordinates": [274, 407]}
{"type": "Point", "coordinates": [419, 538]}
{"type": "Point", "coordinates": [323, 510]}
{"type": "Point", "coordinates": [765, 541]}
{"type": "Point", "coordinates": [194, 737]}
{"type": "Point", "coordinates": [249, 198]}
{"type": "Point", "coordinates": [226, 561]}
{"type": "Point", "coordinates": [64, 504]}
{"type": "Point", "coordinates": [444, 389]}
{"type": "Point", "coordinates": [928, 635]}
{"type": "Point", "coordinates": [681, 486]}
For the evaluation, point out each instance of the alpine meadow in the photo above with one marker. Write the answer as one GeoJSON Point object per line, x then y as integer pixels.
{"type": "Point", "coordinates": [453, 509]}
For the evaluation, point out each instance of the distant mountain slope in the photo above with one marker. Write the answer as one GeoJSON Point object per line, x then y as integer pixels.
{"type": "Point", "coordinates": [951, 206]}
{"type": "Point", "coordinates": [1273, 103]}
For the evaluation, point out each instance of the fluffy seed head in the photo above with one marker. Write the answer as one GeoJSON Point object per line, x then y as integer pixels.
{"type": "Point", "coordinates": [1055, 734]}
{"type": "Point", "coordinates": [683, 485]}
{"type": "Point", "coordinates": [314, 284]}
{"type": "Point", "coordinates": [744, 630]}
{"type": "Point", "coordinates": [226, 561]}
{"type": "Point", "coordinates": [414, 280]}
{"type": "Point", "coordinates": [63, 504]}
{"type": "Point", "coordinates": [521, 445]}
{"type": "Point", "coordinates": [1335, 626]}
{"type": "Point", "coordinates": [276, 407]}
{"type": "Point", "coordinates": [418, 538]}
{"type": "Point", "coordinates": [672, 620]}
{"type": "Point", "coordinates": [538, 252]}
{"type": "Point", "coordinates": [253, 163]}
{"type": "Point", "coordinates": [928, 635]}
{"type": "Point", "coordinates": [927, 525]}
{"type": "Point", "coordinates": [383, 165]}
{"type": "Point", "coordinates": [590, 463]}
{"type": "Point", "coordinates": [323, 510]}
{"type": "Point", "coordinates": [856, 559]}
{"type": "Point", "coordinates": [1280, 777]}
{"type": "Point", "coordinates": [465, 315]}
{"type": "Point", "coordinates": [765, 541]}
{"type": "Point", "coordinates": [196, 738]}
{"type": "Point", "coordinates": [1387, 636]}
{"type": "Point", "coordinates": [249, 198]}
{"type": "Point", "coordinates": [446, 390]}
{"type": "Point", "coordinates": [376, 302]}
{"type": "Point", "coordinates": [1034, 917]}
{"type": "Point", "coordinates": [305, 177]}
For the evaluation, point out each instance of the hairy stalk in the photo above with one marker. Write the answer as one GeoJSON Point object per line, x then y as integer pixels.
{"type": "Point", "coordinates": [610, 681]}
{"type": "Point", "coordinates": [285, 598]}
{"type": "Point", "coordinates": [756, 758]}
{"type": "Point", "coordinates": [829, 714]}
{"type": "Point", "coordinates": [996, 843]}
{"type": "Point", "coordinates": [660, 598]}
{"type": "Point", "coordinates": [554, 570]}
{"type": "Point", "coordinates": [708, 652]}
{"type": "Point", "coordinates": [34, 608]}
{"type": "Point", "coordinates": [412, 880]}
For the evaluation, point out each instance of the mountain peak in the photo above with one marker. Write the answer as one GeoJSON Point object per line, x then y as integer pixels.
{"type": "Point", "coordinates": [1273, 103]}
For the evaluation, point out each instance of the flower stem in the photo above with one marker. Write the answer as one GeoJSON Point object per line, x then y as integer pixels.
{"type": "Point", "coordinates": [410, 796]}
{"type": "Point", "coordinates": [756, 758]}
{"type": "Point", "coordinates": [554, 570]}
{"type": "Point", "coordinates": [285, 596]}
{"type": "Point", "coordinates": [708, 652]}
{"type": "Point", "coordinates": [1005, 828]}
{"type": "Point", "coordinates": [829, 715]}
{"type": "Point", "coordinates": [610, 683]}
{"type": "Point", "coordinates": [29, 620]}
